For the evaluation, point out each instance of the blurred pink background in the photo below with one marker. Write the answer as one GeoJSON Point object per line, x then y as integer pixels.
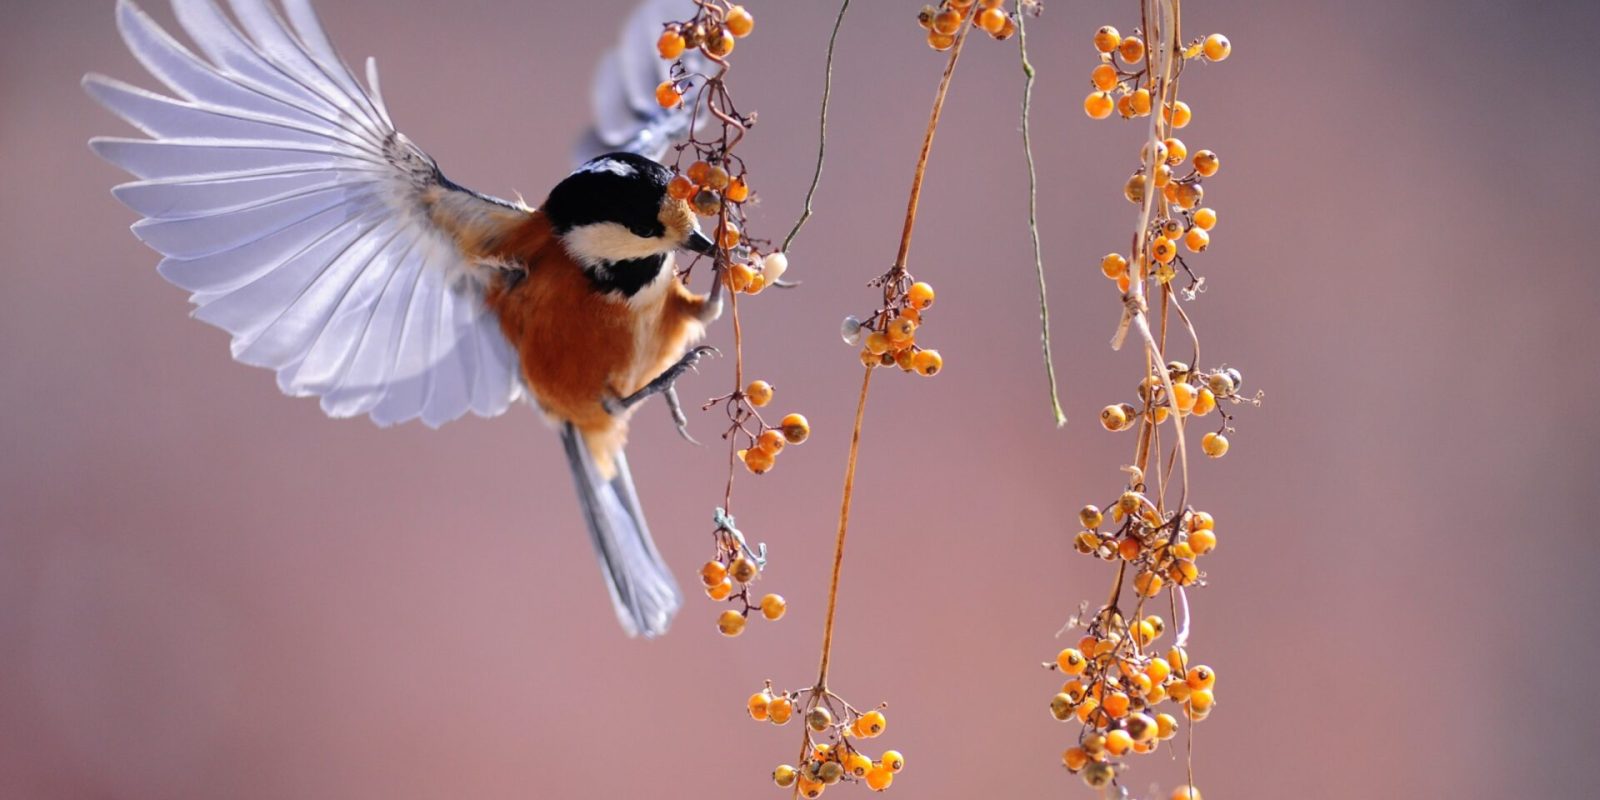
{"type": "Point", "coordinates": [210, 590]}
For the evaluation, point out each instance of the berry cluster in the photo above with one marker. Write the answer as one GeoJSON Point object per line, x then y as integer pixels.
{"type": "Point", "coordinates": [888, 337]}
{"type": "Point", "coordinates": [731, 580]}
{"type": "Point", "coordinates": [1194, 392]}
{"type": "Point", "coordinates": [838, 758]}
{"type": "Point", "coordinates": [1118, 681]}
{"type": "Point", "coordinates": [943, 21]}
{"type": "Point", "coordinates": [1116, 685]}
{"type": "Point", "coordinates": [716, 184]}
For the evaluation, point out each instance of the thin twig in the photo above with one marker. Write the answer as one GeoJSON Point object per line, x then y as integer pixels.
{"type": "Point", "coordinates": [822, 133]}
{"type": "Point", "coordinates": [1033, 219]}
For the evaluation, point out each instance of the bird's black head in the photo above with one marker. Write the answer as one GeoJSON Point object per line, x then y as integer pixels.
{"type": "Point", "coordinates": [614, 210]}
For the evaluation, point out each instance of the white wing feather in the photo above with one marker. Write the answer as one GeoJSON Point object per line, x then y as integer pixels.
{"type": "Point", "coordinates": [280, 194]}
{"type": "Point", "coordinates": [623, 95]}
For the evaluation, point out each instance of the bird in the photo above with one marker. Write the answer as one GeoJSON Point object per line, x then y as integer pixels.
{"type": "Point", "coordinates": [335, 251]}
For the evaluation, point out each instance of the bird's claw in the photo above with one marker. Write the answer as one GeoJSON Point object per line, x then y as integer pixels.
{"type": "Point", "coordinates": [679, 419]}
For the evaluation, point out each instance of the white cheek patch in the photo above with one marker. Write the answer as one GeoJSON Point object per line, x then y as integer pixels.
{"type": "Point", "coordinates": [610, 165]}
{"type": "Point", "coordinates": [598, 243]}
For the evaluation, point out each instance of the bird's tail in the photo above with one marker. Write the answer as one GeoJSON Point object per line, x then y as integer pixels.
{"type": "Point", "coordinates": [642, 588]}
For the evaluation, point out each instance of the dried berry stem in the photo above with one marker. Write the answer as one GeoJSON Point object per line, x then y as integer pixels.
{"type": "Point", "coordinates": [1033, 217]}
{"type": "Point", "coordinates": [927, 148]}
{"type": "Point", "coordinates": [822, 133]}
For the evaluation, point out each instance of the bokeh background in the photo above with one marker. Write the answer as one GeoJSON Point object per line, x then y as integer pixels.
{"type": "Point", "coordinates": [210, 590]}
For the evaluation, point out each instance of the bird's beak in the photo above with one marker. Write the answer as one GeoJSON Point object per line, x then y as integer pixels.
{"type": "Point", "coordinates": [698, 243]}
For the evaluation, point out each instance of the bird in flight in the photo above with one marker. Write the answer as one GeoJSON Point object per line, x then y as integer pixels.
{"type": "Point", "coordinates": [335, 252]}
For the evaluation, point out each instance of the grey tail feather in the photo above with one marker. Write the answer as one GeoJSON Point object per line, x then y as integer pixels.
{"type": "Point", "coordinates": [642, 588]}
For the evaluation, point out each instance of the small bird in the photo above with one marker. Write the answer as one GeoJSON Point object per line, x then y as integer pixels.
{"type": "Point", "coordinates": [336, 253]}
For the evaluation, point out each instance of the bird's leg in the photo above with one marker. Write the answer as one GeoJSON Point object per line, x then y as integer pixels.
{"type": "Point", "coordinates": [663, 382]}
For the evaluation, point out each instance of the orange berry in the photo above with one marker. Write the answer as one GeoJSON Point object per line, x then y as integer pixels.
{"type": "Point", "coordinates": [1166, 727]}
{"type": "Point", "coordinates": [1197, 240]}
{"type": "Point", "coordinates": [1205, 218]}
{"type": "Point", "coordinates": [1188, 195]}
{"type": "Point", "coordinates": [670, 45]}
{"type": "Point", "coordinates": [1206, 163]}
{"type": "Point", "coordinates": [810, 789]}
{"type": "Point", "coordinates": [730, 238]}
{"type": "Point", "coordinates": [721, 590]}
{"type": "Point", "coordinates": [667, 95]}
{"type": "Point", "coordinates": [731, 623]}
{"type": "Point", "coordinates": [784, 775]}
{"type": "Point", "coordinates": [1184, 396]}
{"type": "Point", "coordinates": [1118, 742]}
{"type": "Point", "coordinates": [901, 331]}
{"type": "Point", "coordinates": [738, 191]}
{"type": "Point", "coordinates": [1202, 541]}
{"type": "Point", "coordinates": [756, 460]}
{"type": "Point", "coordinates": [795, 428]}
{"type": "Point", "coordinates": [1184, 572]}
{"type": "Point", "coordinates": [1200, 677]}
{"type": "Point", "coordinates": [698, 172]}
{"type": "Point", "coordinates": [718, 44]}
{"type": "Point", "coordinates": [1074, 758]}
{"type": "Point", "coordinates": [771, 441]}
{"type": "Point", "coordinates": [1113, 266]}
{"type": "Point", "coordinates": [1097, 105]}
{"type": "Point", "coordinates": [759, 393]}
{"type": "Point", "coordinates": [1099, 774]}
{"type": "Point", "coordinates": [1185, 793]}
{"type": "Point", "coordinates": [1131, 49]}
{"type": "Point", "coordinates": [1104, 77]}
{"type": "Point", "coordinates": [1113, 419]}
{"type": "Point", "coordinates": [1157, 670]}
{"type": "Point", "coordinates": [1147, 583]}
{"type": "Point", "coordinates": [1140, 102]}
{"type": "Point", "coordinates": [680, 188]}
{"type": "Point", "coordinates": [1090, 516]}
{"type": "Point", "coordinates": [927, 363]}
{"type": "Point", "coordinates": [1124, 283]}
{"type": "Point", "coordinates": [947, 22]}
{"type": "Point", "coordinates": [773, 606]}
{"type": "Point", "coordinates": [892, 760]}
{"type": "Point", "coordinates": [739, 22]}
{"type": "Point", "coordinates": [1163, 250]}
{"type": "Point", "coordinates": [1178, 114]}
{"type": "Point", "coordinates": [1106, 39]}
{"type": "Point", "coordinates": [1071, 661]}
{"type": "Point", "coordinates": [819, 719]}
{"type": "Point", "coordinates": [1134, 189]}
{"type": "Point", "coordinates": [716, 179]}
{"type": "Point", "coordinates": [1128, 549]}
{"type": "Point", "coordinates": [757, 706]}
{"type": "Point", "coordinates": [743, 570]}
{"type": "Point", "coordinates": [1214, 444]}
{"type": "Point", "coordinates": [780, 710]}
{"type": "Point", "coordinates": [879, 779]}
{"type": "Point", "coordinates": [992, 20]}
{"type": "Point", "coordinates": [1177, 153]}
{"type": "Point", "coordinates": [941, 41]}
{"type": "Point", "coordinates": [1201, 700]}
{"type": "Point", "coordinates": [920, 295]}
{"type": "Point", "coordinates": [1116, 704]}
{"type": "Point", "coordinates": [1141, 727]}
{"type": "Point", "coordinates": [872, 723]}
{"type": "Point", "coordinates": [1217, 47]}
{"type": "Point", "coordinates": [878, 343]}
{"type": "Point", "coordinates": [858, 765]}
{"type": "Point", "coordinates": [713, 573]}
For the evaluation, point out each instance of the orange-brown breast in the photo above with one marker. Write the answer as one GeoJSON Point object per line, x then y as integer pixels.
{"type": "Point", "coordinates": [578, 346]}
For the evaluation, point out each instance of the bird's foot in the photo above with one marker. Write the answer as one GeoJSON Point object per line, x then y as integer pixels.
{"type": "Point", "coordinates": [664, 382]}
{"type": "Point", "coordinates": [678, 418]}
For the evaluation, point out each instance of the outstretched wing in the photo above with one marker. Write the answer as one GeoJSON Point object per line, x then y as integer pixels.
{"type": "Point", "coordinates": [329, 246]}
{"type": "Point", "coordinates": [626, 114]}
